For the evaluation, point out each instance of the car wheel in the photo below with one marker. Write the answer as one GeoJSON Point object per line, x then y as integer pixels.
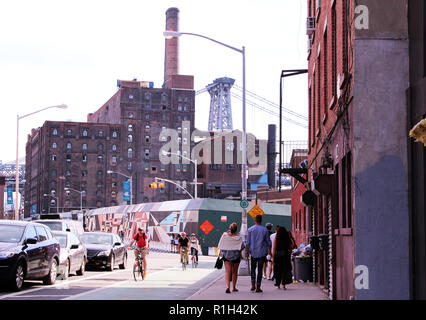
{"type": "Point", "coordinates": [66, 273]}
{"type": "Point", "coordinates": [18, 280]}
{"type": "Point", "coordinates": [51, 277]}
{"type": "Point", "coordinates": [123, 265]}
{"type": "Point", "coordinates": [111, 267]}
{"type": "Point", "coordinates": [80, 272]}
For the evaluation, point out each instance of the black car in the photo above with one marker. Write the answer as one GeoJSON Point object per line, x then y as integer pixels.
{"type": "Point", "coordinates": [28, 251]}
{"type": "Point", "coordinates": [104, 250]}
{"type": "Point", "coordinates": [72, 258]}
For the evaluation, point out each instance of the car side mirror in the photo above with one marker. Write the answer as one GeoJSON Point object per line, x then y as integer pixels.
{"type": "Point", "coordinates": [68, 230]}
{"type": "Point", "coordinates": [31, 241]}
{"type": "Point", "coordinates": [74, 246]}
{"type": "Point", "coordinates": [117, 244]}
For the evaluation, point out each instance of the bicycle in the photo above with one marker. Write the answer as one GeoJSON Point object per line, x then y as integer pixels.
{"type": "Point", "coordinates": [184, 260]}
{"type": "Point", "coordinates": [138, 272]}
{"type": "Point", "coordinates": [193, 259]}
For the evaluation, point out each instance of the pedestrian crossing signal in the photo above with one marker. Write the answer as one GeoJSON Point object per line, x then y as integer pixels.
{"type": "Point", "coordinates": [156, 185]}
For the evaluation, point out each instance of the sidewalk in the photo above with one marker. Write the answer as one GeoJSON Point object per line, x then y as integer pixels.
{"type": "Point", "coordinates": [295, 291]}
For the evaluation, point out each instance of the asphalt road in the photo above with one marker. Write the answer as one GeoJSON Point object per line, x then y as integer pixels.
{"type": "Point", "coordinates": [165, 280]}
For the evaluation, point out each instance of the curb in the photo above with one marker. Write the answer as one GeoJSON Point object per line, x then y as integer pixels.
{"type": "Point", "coordinates": [206, 288]}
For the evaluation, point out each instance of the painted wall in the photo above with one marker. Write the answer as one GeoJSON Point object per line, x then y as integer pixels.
{"type": "Point", "coordinates": [380, 150]}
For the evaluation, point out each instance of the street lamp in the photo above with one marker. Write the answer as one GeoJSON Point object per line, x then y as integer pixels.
{"type": "Point", "coordinates": [170, 34]}
{"type": "Point", "coordinates": [131, 183]}
{"type": "Point", "coordinates": [62, 106]}
{"type": "Point", "coordinates": [81, 196]}
{"type": "Point", "coordinates": [57, 201]}
{"type": "Point", "coordinates": [195, 164]}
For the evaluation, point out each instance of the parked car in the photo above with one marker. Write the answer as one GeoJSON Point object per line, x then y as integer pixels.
{"type": "Point", "coordinates": [28, 251]}
{"type": "Point", "coordinates": [73, 226]}
{"type": "Point", "coordinates": [104, 250]}
{"type": "Point", "coordinates": [73, 253]}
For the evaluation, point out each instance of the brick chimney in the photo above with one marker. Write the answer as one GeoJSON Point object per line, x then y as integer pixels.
{"type": "Point", "coordinates": [171, 58]}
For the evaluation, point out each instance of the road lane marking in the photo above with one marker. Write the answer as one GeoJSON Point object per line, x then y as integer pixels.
{"type": "Point", "coordinates": [63, 283]}
{"type": "Point", "coordinates": [72, 297]}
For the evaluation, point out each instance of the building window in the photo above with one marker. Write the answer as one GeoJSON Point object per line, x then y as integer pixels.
{"type": "Point", "coordinates": [180, 99]}
{"type": "Point", "coordinates": [99, 185]}
{"type": "Point", "coordinates": [100, 159]}
{"type": "Point", "coordinates": [163, 167]}
{"type": "Point", "coordinates": [83, 193]}
{"type": "Point", "coordinates": [147, 116]}
{"type": "Point", "coordinates": [179, 107]}
{"type": "Point", "coordinates": [84, 146]}
{"type": "Point", "coordinates": [130, 127]}
{"type": "Point", "coordinates": [54, 145]}
{"type": "Point", "coordinates": [114, 147]}
{"type": "Point", "coordinates": [67, 183]}
{"type": "Point", "coordinates": [100, 133]}
{"type": "Point", "coordinates": [147, 139]}
{"type": "Point", "coordinates": [147, 96]}
{"type": "Point", "coordinates": [68, 158]}
{"type": "Point", "coordinates": [84, 173]}
{"type": "Point", "coordinates": [163, 116]}
{"type": "Point", "coordinates": [230, 167]}
{"type": "Point", "coordinates": [114, 134]}
{"type": "Point", "coordinates": [52, 202]}
{"type": "Point", "coordinates": [67, 192]}
{"type": "Point", "coordinates": [129, 138]}
{"type": "Point", "coordinates": [53, 157]}
{"type": "Point", "coordinates": [113, 194]}
{"type": "Point", "coordinates": [114, 159]}
{"type": "Point", "coordinates": [53, 192]}
{"type": "Point", "coordinates": [99, 174]}
{"type": "Point", "coordinates": [185, 108]}
{"type": "Point", "coordinates": [130, 96]}
{"type": "Point", "coordinates": [69, 132]}
{"type": "Point", "coordinates": [184, 167]}
{"type": "Point", "coordinates": [84, 158]}
{"type": "Point", "coordinates": [146, 153]}
{"type": "Point", "coordinates": [67, 173]}
{"type": "Point", "coordinates": [178, 168]}
{"type": "Point", "coordinates": [164, 97]}
{"type": "Point", "coordinates": [69, 145]}
{"type": "Point", "coordinates": [153, 169]}
{"type": "Point", "coordinates": [131, 115]}
{"type": "Point", "coordinates": [83, 185]}
{"type": "Point", "coordinates": [185, 118]}
{"type": "Point", "coordinates": [179, 117]}
{"type": "Point", "coordinates": [130, 153]}
{"type": "Point", "coordinates": [147, 127]}
{"type": "Point", "coordinates": [146, 166]}
{"type": "Point", "coordinates": [85, 133]}
{"type": "Point", "coordinates": [55, 132]}
{"type": "Point", "coordinates": [100, 147]}
{"type": "Point", "coordinates": [129, 166]}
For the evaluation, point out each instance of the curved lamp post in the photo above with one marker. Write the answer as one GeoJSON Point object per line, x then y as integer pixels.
{"type": "Point", "coordinates": [131, 184]}
{"type": "Point", "coordinates": [61, 106]}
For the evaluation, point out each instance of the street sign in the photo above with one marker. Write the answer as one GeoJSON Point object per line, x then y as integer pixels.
{"type": "Point", "coordinates": [206, 227]}
{"type": "Point", "coordinates": [9, 196]}
{"type": "Point", "coordinates": [244, 204]}
{"type": "Point", "coordinates": [255, 211]}
{"type": "Point", "coordinates": [126, 190]}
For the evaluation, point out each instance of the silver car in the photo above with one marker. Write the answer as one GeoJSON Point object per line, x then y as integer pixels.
{"type": "Point", "coordinates": [73, 254]}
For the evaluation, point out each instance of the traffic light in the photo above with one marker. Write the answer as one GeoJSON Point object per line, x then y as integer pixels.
{"type": "Point", "coordinates": [156, 185]}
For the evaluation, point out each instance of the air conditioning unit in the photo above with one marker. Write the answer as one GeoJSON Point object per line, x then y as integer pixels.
{"type": "Point", "coordinates": [310, 25]}
{"type": "Point", "coordinates": [317, 5]}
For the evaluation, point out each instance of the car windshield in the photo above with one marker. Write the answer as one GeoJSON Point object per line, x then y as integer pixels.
{"type": "Point", "coordinates": [62, 240]}
{"type": "Point", "coordinates": [11, 233]}
{"type": "Point", "coordinates": [96, 239]}
{"type": "Point", "coordinates": [53, 225]}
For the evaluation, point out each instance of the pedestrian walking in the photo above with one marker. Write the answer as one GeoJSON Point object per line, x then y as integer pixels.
{"type": "Point", "coordinates": [258, 245]}
{"type": "Point", "coordinates": [281, 253]}
{"type": "Point", "coordinates": [230, 246]}
{"type": "Point", "coordinates": [271, 265]}
{"type": "Point", "coordinates": [267, 265]}
{"type": "Point", "coordinates": [177, 237]}
{"type": "Point", "coordinates": [172, 243]}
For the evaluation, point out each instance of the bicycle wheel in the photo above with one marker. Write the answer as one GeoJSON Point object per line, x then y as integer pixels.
{"type": "Point", "coordinates": [193, 261]}
{"type": "Point", "coordinates": [138, 271]}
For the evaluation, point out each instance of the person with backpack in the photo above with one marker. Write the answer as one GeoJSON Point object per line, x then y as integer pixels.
{"type": "Point", "coordinates": [141, 239]}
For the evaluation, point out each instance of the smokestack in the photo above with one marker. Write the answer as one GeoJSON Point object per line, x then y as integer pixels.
{"type": "Point", "coordinates": [171, 58]}
{"type": "Point", "coordinates": [272, 155]}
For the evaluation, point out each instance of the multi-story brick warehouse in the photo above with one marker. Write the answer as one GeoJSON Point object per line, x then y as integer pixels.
{"type": "Point", "coordinates": [357, 157]}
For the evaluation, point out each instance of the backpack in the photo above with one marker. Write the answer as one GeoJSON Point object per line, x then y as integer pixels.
{"type": "Point", "coordinates": [137, 236]}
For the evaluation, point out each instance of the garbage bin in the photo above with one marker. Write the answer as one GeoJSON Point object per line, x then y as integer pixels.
{"type": "Point", "coordinates": [303, 269]}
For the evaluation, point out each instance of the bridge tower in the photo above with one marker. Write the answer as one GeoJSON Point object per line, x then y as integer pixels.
{"type": "Point", "coordinates": [220, 104]}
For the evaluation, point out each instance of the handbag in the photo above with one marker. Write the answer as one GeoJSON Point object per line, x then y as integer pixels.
{"type": "Point", "coordinates": [219, 263]}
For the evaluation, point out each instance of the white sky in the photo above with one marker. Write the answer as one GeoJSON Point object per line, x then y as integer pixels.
{"type": "Point", "coordinates": [73, 52]}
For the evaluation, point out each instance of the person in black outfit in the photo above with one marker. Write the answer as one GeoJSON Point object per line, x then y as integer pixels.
{"type": "Point", "coordinates": [281, 253]}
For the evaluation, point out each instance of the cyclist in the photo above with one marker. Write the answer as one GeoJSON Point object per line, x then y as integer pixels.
{"type": "Point", "coordinates": [194, 246]}
{"type": "Point", "coordinates": [183, 247]}
{"type": "Point", "coordinates": [141, 239]}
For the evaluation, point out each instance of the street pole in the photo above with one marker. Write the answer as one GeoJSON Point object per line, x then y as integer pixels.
{"type": "Point", "coordinates": [196, 181]}
{"type": "Point", "coordinates": [17, 170]}
{"type": "Point", "coordinates": [62, 106]}
{"type": "Point", "coordinates": [131, 190]}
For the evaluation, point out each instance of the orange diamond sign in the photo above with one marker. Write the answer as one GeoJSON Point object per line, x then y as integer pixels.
{"type": "Point", "coordinates": [255, 211]}
{"type": "Point", "coordinates": [206, 227]}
